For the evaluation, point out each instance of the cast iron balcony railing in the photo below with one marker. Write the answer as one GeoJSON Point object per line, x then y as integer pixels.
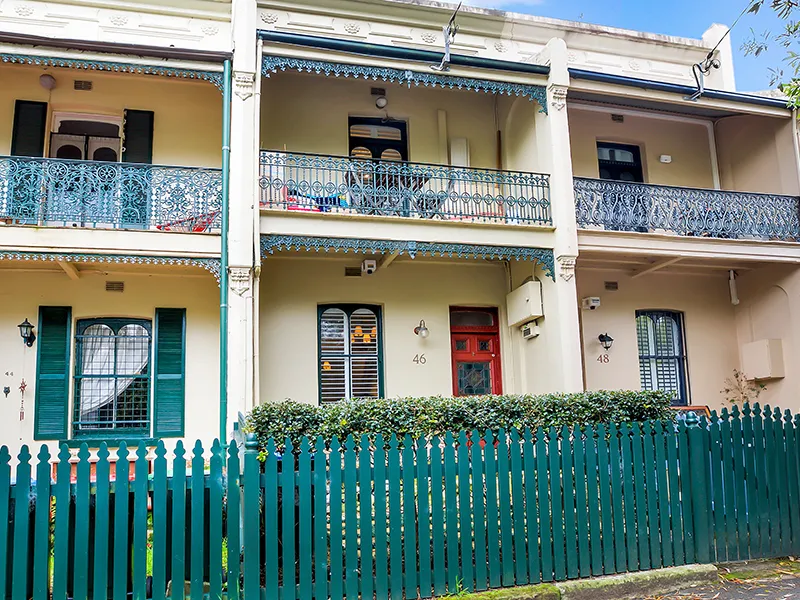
{"type": "Point", "coordinates": [333, 184]}
{"type": "Point", "coordinates": [622, 206]}
{"type": "Point", "coordinates": [108, 195]}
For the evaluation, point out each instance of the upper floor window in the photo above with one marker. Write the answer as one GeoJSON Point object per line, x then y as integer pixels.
{"type": "Point", "coordinates": [350, 354]}
{"type": "Point", "coordinates": [86, 137]}
{"type": "Point", "coordinates": [620, 162]}
{"type": "Point", "coordinates": [662, 355]}
{"type": "Point", "coordinates": [112, 376]}
{"type": "Point", "coordinates": [379, 139]}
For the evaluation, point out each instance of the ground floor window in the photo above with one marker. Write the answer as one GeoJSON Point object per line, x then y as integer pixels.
{"type": "Point", "coordinates": [350, 352]}
{"type": "Point", "coordinates": [112, 376]}
{"type": "Point", "coordinates": [662, 355]}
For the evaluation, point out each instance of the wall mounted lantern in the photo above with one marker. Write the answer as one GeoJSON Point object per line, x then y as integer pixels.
{"type": "Point", "coordinates": [606, 341]}
{"type": "Point", "coordinates": [26, 331]}
{"type": "Point", "coordinates": [421, 330]}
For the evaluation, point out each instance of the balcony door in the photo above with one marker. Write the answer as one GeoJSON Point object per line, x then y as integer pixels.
{"type": "Point", "coordinates": [620, 162]}
{"type": "Point", "coordinates": [475, 348]}
{"type": "Point", "coordinates": [84, 194]}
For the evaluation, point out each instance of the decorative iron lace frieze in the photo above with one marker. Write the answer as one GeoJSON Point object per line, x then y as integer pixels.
{"type": "Point", "coordinates": [108, 195]}
{"type": "Point", "coordinates": [212, 77]}
{"type": "Point", "coordinates": [212, 265]}
{"type": "Point", "coordinates": [343, 185]}
{"type": "Point", "coordinates": [639, 207]}
{"type": "Point", "coordinates": [270, 244]}
{"type": "Point", "coordinates": [273, 64]}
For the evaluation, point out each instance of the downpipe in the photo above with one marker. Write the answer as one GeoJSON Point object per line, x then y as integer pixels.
{"type": "Point", "coordinates": [223, 259]}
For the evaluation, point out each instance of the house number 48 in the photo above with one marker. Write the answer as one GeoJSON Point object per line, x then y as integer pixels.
{"type": "Point", "coordinates": [419, 359]}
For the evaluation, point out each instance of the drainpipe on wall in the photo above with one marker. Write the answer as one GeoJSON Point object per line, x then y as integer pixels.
{"type": "Point", "coordinates": [223, 256]}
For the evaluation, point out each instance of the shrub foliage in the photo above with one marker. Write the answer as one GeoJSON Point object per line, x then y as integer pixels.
{"type": "Point", "coordinates": [436, 415]}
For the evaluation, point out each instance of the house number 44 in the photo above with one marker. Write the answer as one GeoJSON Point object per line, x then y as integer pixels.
{"type": "Point", "coordinates": [419, 359]}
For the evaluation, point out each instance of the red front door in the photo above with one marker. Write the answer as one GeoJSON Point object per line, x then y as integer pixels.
{"type": "Point", "coordinates": [476, 364]}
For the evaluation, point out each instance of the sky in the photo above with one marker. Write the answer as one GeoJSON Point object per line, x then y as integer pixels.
{"type": "Point", "coordinates": [686, 18]}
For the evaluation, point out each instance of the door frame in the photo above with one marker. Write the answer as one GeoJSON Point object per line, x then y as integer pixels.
{"type": "Point", "coordinates": [486, 330]}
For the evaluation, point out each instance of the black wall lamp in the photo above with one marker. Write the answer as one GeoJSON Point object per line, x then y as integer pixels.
{"type": "Point", "coordinates": [606, 341]}
{"type": "Point", "coordinates": [26, 331]}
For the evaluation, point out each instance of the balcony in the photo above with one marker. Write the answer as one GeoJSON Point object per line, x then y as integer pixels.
{"type": "Point", "coordinates": [638, 207]}
{"type": "Point", "coordinates": [330, 184]}
{"type": "Point", "coordinates": [109, 195]}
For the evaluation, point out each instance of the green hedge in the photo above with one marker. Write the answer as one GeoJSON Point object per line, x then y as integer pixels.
{"type": "Point", "coordinates": [435, 415]}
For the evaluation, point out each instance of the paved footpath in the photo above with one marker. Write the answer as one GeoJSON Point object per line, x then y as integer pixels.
{"type": "Point", "coordinates": [787, 588]}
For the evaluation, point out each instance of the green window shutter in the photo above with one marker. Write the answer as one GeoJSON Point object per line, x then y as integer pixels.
{"type": "Point", "coordinates": [169, 372]}
{"type": "Point", "coordinates": [138, 142]}
{"type": "Point", "coordinates": [52, 373]}
{"type": "Point", "coordinates": [30, 124]}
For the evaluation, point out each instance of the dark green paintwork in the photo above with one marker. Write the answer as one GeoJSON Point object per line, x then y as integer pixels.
{"type": "Point", "coordinates": [426, 519]}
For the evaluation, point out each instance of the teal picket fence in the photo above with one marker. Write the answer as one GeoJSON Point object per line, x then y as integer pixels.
{"type": "Point", "coordinates": [398, 518]}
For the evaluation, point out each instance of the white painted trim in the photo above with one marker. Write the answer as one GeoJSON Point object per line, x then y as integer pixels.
{"type": "Point", "coordinates": [632, 112]}
{"type": "Point", "coordinates": [712, 147]}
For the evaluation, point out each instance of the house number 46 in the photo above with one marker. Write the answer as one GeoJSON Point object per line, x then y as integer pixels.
{"type": "Point", "coordinates": [419, 359]}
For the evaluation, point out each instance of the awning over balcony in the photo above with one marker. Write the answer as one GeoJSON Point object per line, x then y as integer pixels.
{"type": "Point", "coordinates": [273, 64]}
{"type": "Point", "coordinates": [270, 244]}
{"type": "Point", "coordinates": [114, 66]}
{"type": "Point", "coordinates": [209, 264]}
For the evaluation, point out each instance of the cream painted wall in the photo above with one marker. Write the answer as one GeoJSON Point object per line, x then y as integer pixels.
{"type": "Point", "coordinates": [307, 113]}
{"type": "Point", "coordinates": [710, 328]}
{"type": "Point", "coordinates": [768, 309]}
{"type": "Point", "coordinates": [407, 291]}
{"type": "Point", "coordinates": [21, 294]}
{"type": "Point", "coordinates": [187, 130]}
{"type": "Point", "coordinates": [756, 154]}
{"type": "Point", "coordinates": [685, 141]}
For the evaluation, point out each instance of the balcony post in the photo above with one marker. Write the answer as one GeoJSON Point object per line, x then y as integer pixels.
{"type": "Point", "coordinates": [241, 329]}
{"type": "Point", "coordinates": [560, 299]}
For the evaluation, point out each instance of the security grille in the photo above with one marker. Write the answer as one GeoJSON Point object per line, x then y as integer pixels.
{"type": "Point", "coordinates": [349, 353]}
{"type": "Point", "coordinates": [662, 359]}
{"type": "Point", "coordinates": [112, 376]}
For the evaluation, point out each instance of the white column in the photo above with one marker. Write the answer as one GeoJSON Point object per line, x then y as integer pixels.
{"type": "Point", "coordinates": [560, 298]}
{"type": "Point", "coordinates": [242, 235]}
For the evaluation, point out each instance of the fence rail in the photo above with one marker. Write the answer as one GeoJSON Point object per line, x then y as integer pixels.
{"type": "Point", "coordinates": [388, 519]}
{"type": "Point", "coordinates": [623, 206]}
{"type": "Point", "coordinates": [78, 193]}
{"type": "Point", "coordinates": [330, 184]}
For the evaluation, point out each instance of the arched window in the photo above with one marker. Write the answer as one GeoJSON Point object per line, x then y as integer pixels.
{"type": "Point", "coordinates": [662, 354]}
{"type": "Point", "coordinates": [350, 356]}
{"type": "Point", "coordinates": [112, 376]}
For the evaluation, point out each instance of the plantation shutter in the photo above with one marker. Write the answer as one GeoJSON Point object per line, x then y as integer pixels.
{"type": "Point", "coordinates": [333, 384]}
{"type": "Point", "coordinates": [52, 373]}
{"type": "Point", "coordinates": [30, 123]}
{"type": "Point", "coordinates": [349, 353]}
{"type": "Point", "coordinates": [169, 372]}
{"type": "Point", "coordinates": [138, 132]}
{"type": "Point", "coordinates": [364, 376]}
